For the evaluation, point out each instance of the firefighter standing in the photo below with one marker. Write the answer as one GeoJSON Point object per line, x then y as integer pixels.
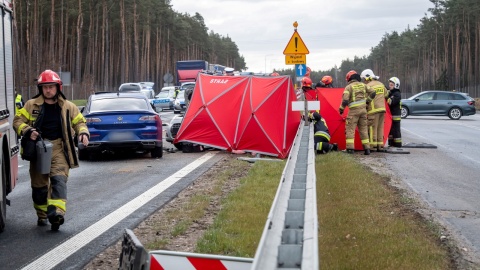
{"type": "Point", "coordinates": [18, 101]}
{"type": "Point", "coordinates": [356, 96]}
{"type": "Point", "coordinates": [375, 110]}
{"type": "Point", "coordinates": [395, 103]}
{"type": "Point", "coordinates": [321, 135]}
{"type": "Point", "coordinates": [58, 120]}
{"type": "Point", "coordinates": [325, 82]}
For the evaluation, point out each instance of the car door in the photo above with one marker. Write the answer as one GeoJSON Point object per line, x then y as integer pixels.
{"type": "Point", "coordinates": [423, 104]}
{"type": "Point", "coordinates": [442, 103]}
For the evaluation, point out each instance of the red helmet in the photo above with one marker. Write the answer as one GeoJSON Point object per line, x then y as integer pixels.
{"type": "Point", "coordinates": [275, 74]}
{"type": "Point", "coordinates": [49, 77]}
{"type": "Point", "coordinates": [349, 74]}
{"type": "Point", "coordinates": [327, 80]}
{"type": "Point", "coordinates": [306, 82]}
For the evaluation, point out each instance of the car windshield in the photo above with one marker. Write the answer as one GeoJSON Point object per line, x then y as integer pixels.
{"type": "Point", "coordinates": [162, 95]}
{"type": "Point", "coordinates": [118, 104]}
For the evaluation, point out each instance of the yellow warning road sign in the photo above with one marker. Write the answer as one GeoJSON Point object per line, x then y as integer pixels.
{"type": "Point", "coordinates": [296, 45]}
{"type": "Point", "coordinates": [293, 59]}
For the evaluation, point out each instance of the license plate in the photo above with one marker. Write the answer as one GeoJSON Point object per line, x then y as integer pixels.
{"type": "Point", "coordinates": [121, 136]}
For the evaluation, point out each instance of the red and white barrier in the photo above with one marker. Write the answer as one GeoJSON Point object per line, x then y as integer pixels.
{"type": "Point", "coordinates": [169, 260]}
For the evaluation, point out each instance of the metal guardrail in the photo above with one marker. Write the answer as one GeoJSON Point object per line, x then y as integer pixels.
{"type": "Point", "coordinates": [290, 237]}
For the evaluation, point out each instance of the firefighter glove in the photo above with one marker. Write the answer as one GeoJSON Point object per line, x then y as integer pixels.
{"type": "Point", "coordinates": [340, 110]}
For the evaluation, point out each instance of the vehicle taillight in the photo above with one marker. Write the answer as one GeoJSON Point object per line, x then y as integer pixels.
{"type": "Point", "coordinates": [93, 120]}
{"type": "Point", "coordinates": [472, 103]}
{"type": "Point", "coordinates": [147, 118]}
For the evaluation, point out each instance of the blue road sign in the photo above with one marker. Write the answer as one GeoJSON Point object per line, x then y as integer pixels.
{"type": "Point", "coordinates": [300, 69]}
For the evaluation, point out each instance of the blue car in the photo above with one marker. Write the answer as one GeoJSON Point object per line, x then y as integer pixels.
{"type": "Point", "coordinates": [121, 122]}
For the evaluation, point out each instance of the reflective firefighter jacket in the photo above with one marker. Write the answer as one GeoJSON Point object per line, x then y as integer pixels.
{"type": "Point", "coordinates": [72, 121]}
{"type": "Point", "coordinates": [356, 95]}
{"type": "Point", "coordinates": [378, 103]}
{"type": "Point", "coordinates": [395, 102]}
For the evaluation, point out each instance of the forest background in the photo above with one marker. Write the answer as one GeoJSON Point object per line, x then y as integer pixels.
{"type": "Point", "coordinates": [104, 43]}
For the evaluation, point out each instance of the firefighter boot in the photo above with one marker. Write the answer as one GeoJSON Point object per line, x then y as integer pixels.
{"type": "Point", "coordinates": [350, 151]}
{"type": "Point", "coordinates": [54, 218]}
{"type": "Point", "coordinates": [41, 222]}
{"type": "Point", "coordinates": [367, 152]}
{"type": "Point", "coordinates": [335, 147]}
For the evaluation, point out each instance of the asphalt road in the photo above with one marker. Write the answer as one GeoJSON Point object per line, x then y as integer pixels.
{"type": "Point", "coordinates": [104, 197]}
{"type": "Point", "coordinates": [446, 178]}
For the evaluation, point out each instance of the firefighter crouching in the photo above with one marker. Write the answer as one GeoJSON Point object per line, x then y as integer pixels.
{"type": "Point", "coordinates": [321, 137]}
{"type": "Point", "coordinates": [356, 96]}
{"type": "Point", "coordinates": [58, 120]}
{"type": "Point", "coordinates": [375, 110]}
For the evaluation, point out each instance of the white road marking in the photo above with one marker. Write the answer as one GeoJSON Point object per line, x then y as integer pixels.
{"type": "Point", "coordinates": [67, 248]}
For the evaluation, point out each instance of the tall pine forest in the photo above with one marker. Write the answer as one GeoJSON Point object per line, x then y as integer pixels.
{"type": "Point", "coordinates": [104, 43]}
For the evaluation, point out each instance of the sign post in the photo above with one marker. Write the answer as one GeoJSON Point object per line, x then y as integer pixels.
{"type": "Point", "coordinates": [296, 54]}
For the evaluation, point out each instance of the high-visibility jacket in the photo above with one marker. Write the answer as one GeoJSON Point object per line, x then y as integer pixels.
{"type": "Point", "coordinates": [18, 102]}
{"type": "Point", "coordinates": [356, 95]}
{"type": "Point", "coordinates": [378, 103]}
{"type": "Point", "coordinates": [73, 123]}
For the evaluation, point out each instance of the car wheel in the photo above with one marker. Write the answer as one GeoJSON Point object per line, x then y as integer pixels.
{"type": "Point", "coordinates": [455, 113]}
{"type": "Point", "coordinates": [404, 112]}
{"type": "Point", "coordinates": [157, 152]}
{"type": "Point", "coordinates": [83, 154]}
{"type": "Point", "coordinates": [178, 146]}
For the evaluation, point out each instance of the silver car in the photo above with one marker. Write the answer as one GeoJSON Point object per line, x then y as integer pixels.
{"type": "Point", "coordinates": [452, 104]}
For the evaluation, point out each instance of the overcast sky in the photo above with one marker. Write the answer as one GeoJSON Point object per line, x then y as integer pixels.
{"type": "Point", "coordinates": [332, 30]}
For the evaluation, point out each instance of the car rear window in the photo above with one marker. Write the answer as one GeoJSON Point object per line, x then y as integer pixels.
{"type": "Point", "coordinates": [129, 88]}
{"type": "Point", "coordinates": [118, 104]}
{"type": "Point", "coordinates": [459, 97]}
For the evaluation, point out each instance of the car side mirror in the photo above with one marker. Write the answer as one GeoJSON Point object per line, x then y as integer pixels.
{"type": "Point", "coordinates": [417, 99]}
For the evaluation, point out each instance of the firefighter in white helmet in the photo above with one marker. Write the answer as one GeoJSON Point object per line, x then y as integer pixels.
{"type": "Point", "coordinates": [375, 110]}
{"type": "Point", "coordinates": [394, 100]}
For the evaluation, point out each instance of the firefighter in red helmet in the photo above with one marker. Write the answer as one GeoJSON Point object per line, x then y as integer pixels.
{"type": "Point", "coordinates": [356, 96]}
{"type": "Point", "coordinates": [325, 82]}
{"type": "Point", "coordinates": [57, 120]}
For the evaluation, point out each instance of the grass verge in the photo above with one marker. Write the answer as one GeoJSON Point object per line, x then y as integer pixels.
{"type": "Point", "coordinates": [366, 224]}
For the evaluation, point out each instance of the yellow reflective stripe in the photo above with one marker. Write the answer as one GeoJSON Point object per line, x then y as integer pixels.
{"type": "Point", "coordinates": [364, 141]}
{"type": "Point", "coordinates": [350, 141]}
{"type": "Point", "coordinates": [78, 118]}
{"type": "Point", "coordinates": [357, 103]}
{"type": "Point", "coordinates": [58, 203]}
{"type": "Point", "coordinates": [42, 207]}
{"type": "Point", "coordinates": [323, 134]}
{"type": "Point", "coordinates": [319, 146]}
{"type": "Point", "coordinates": [83, 130]}
{"type": "Point", "coordinates": [397, 118]}
{"type": "Point", "coordinates": [20, 128]}
{"type": "Point", "coordinates": [25, 114]}
{"type": "Point", "coordinates": [377, 110]}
